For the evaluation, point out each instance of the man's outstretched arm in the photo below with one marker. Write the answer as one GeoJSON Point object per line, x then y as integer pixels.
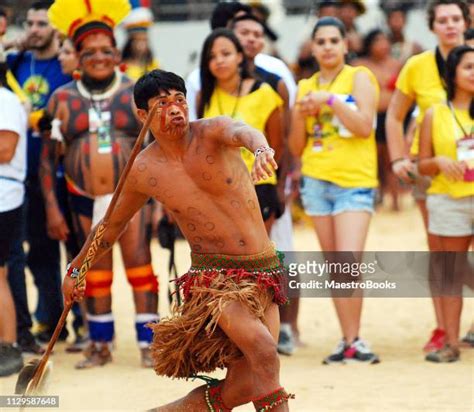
{"type": "Point", "coordinates": [128, 203]}
{"type": "Point", "coordinates": [240, 134]}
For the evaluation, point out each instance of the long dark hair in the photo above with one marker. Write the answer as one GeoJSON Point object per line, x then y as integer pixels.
{"type": "Point", "coordinates": [454, 58]}
{"type": "Point", "coordinates": [127, 52]}
{"type": "Point", "coordinates": [208, 81]}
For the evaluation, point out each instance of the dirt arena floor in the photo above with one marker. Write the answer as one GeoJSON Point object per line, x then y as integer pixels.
{"type": "Point", "coordinates": [396, 328]}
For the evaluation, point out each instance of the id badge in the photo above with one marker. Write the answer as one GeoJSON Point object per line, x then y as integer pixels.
{"type": "Point", "coordinates": [317, 131]}
{"type": "Point", "coordinates": [101, 125]}
{"type": "Point", "coordinates": [465, 153]}
{"type": "Point", "coordinates": [317, 146]}
{"type": "Point", "coordinates": [94, 121]}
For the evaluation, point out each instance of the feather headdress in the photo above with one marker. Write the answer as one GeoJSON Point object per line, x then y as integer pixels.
{"type": "Point", "coordinates": [77, 18]}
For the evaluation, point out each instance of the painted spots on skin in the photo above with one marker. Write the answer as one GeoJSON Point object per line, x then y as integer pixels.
{"type": "Point", "coordinates": [209, 226]}
{"type": "Point", "coordinates": [210, 159]}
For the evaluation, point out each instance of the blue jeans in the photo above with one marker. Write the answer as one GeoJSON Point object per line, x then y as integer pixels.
{"type": "Point", "coordinates": [322, 198]}
{"type": "Point", "coordinates": [43, 259]}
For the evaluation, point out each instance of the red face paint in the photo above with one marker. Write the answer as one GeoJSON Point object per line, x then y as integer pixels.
{"type": "Point", "coordinates": [164, 113]}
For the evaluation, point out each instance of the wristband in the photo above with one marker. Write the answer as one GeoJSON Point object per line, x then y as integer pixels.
{"type": "Point", "coordinates": [330, 101]}
{"type": "Point", "coordinates": [263, 149]}
{"type": "Point", "coordinates": [400, 159]}
{"type": "Point", "coordinates": [72, 272]}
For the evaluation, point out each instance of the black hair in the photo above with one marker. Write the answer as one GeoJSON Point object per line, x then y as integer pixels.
{"type": "Point", "coordinates": [3, 13]}
{"type": "Point", "coordinates": [329, 21]}
{"type": "Point", "coordinates": [127, 52]}
{"type": "Point", "coordinates": [224, 12]}
{"type": "Point", "coordinates": [151, 84]}
{"type": "Point", "coordinates": [454, 58]}
{"type": "Point", "coordinates": [41, 5]}
{"type": "Point", "coordinates": [396, 8]}
{"type": "Point", "coordinates": [245, 17]}
{"type": "Point", "coordinates": [266, 29]}
{"type": "Point", "coordinates": [369, 40]}
{"type": "Point", "coordinates": [469, 34]}
{"type": "Point", "coordinates": [83, 31]}
{"type": "Point", "coordinates": [435, 3]}
{"type": "Point", "coordinates": [329, 3]}
{"type": "Point", "coordinates": [208, 81]}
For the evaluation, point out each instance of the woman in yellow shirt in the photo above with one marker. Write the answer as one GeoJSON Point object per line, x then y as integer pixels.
{"type": "Point", "coordinates": [447, 154]}
{"type": "Point", "coordinates": [228, 89]}
{"type": "Point", "coordinates": [421, 82]}
{"type": "Point", "coordinates": [333, 132]}
{"type": "Point", "coordinates": [137, 55]}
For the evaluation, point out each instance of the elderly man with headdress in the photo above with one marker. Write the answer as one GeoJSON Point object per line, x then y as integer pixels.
{"type": "Point", "coordinates": [94, 119]}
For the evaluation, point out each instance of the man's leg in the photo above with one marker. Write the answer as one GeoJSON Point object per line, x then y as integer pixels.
{"type": "Point", "coordinates": [135, 247]}
{"type": "Point", "coordinates": [98, 291]}
{"type": "Point", "coordinates": [11, 360]}
{"type": "Point", "coordinates": [99, 314]}
{"type": "Point", "coordinates": [7, 310]}
{"type": "Point", "coordinates": [16, 280]}
{"type": "Point", "coordinates": [43, 260]}
{"type": "Point", "coordinates": [254, 376]}
{"type": "Point", "coordinates": [258, 344]}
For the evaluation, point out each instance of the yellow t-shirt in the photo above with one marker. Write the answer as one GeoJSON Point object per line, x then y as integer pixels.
{"type": "Point", "coordinates": [135, 71]}
{"type": "Point", "coordinates": [445, 133]}
{"type": "Point", "coordinates": [254, 109]}
{"type": "Point", "coordinates": [420, 80]}
{"type": "Point", "coordinates": [332, 153]}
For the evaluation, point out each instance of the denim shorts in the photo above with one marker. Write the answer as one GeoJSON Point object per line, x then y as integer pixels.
{"type": "Point", "coordinates": [322, 198]}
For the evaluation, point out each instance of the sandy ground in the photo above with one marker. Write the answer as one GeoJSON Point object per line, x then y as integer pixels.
{"type": "Point", "coordinates": [396, 328]}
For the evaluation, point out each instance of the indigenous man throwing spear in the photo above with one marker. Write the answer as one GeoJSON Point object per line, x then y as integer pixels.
{"type": "Point", "coordinates": [230, 315]}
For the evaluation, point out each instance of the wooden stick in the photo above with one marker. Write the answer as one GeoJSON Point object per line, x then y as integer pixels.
{"type": "Point", "coordinates": [91, 252]}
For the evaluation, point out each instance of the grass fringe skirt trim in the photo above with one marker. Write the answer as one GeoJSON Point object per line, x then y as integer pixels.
{"type": "Point", "coordinates": [190, 341]}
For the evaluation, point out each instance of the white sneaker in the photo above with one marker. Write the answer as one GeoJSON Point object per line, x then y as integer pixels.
{"type": "Point", "coordinates": [286, 342]}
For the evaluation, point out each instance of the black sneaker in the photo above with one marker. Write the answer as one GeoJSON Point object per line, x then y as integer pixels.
{"type": "Point", "coordinates": [28, 345]}
{"type": "Point", "coordinates": [469, 338]}
{"type": "Point", "coordinates": [45, 336]}
{"type": "Point", "coordinates": [11, 360]}
{"type": "Point", "coordinates": [338, 355]}
{"type": "Point", "coordinates": [360, 351]}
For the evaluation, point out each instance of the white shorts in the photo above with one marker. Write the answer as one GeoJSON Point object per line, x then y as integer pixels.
{"type": "Point", "coordinates": [101, 204]}
{"type": "Point", "coordinates": [449, 216]}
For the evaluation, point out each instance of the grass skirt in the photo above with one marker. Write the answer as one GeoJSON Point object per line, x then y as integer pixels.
{"type": "Point", "coordinates": [190, 341]}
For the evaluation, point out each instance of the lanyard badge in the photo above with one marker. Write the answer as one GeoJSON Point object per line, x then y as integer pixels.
{"type": "Point", "coordinates": [465, 153]}
{"type": "Point", "coordinates": [100, 126]}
